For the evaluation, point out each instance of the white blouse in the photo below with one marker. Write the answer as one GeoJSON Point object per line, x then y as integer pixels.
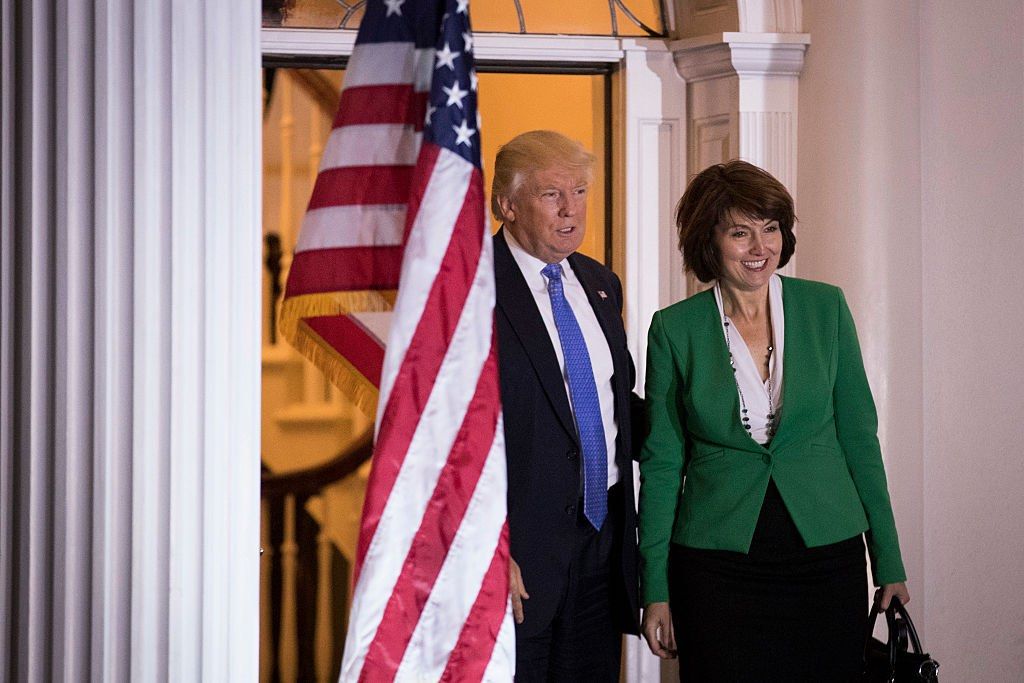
{"type": "Point", "coordinates": [754, 394]}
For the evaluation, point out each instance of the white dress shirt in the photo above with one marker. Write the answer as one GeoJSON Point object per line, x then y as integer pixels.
{"type": "Point", "coordinates": [593, 335]}
{"type": "Point", "coordinates": [748, 377]}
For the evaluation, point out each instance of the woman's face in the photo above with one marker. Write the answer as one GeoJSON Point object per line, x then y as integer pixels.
{"type": "Point", "coordinates": [749, 248]}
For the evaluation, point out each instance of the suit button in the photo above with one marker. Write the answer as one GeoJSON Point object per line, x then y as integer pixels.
{"type": "Point", "coordinates": [767, 459]}
{"type": "Point", "coordinates": [571, 454]}
{"type": "Point", "coordinates": [570, 509]}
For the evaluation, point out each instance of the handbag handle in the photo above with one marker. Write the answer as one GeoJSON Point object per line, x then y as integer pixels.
{"type": "Point", "coordinates": [915, 642]}
{"type": "Point", "coordinates": [901, 632]}
{"type": "Point", "coordinates": [902, 638]}
{"type": "Point", "coordinates": [890, 644]}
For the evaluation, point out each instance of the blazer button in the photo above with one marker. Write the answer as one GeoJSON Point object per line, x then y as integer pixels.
{"type": "Point", "coordinates": [767, 459]}
{"type": "Point", "coordinates": [570, 509]}
{"type": "Point", "coordinates": [571, 454]}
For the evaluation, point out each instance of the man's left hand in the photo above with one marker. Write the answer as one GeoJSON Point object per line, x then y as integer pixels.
{"type": "Point", "coordinates": [516, 590]}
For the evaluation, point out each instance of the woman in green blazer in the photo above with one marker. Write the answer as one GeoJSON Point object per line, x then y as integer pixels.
{"type": "Point", "coordinates": [762, 468]}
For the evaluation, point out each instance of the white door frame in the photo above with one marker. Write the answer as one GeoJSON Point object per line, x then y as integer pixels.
{"type": "Point", "coordinates": [649, 163]}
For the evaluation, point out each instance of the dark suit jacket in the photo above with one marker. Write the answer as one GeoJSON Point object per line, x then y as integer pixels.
{"type": "Point", "coordinates": [543, 446]}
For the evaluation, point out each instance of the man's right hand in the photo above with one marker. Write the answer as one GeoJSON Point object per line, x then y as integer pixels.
{"type": "Point", "coordinates": [516, 590]}
{"type": "Point", "coordinates": [657, 630]}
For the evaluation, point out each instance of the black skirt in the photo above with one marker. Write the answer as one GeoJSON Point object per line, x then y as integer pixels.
{"type": "Point", "coordinates": [783, 612]}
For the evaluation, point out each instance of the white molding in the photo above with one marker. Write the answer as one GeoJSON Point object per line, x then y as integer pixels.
{"type": "Point", "coordinates": [487, 46]}
{"type": "Point", "coordinates": [548, 48]}
{"type": "Point", "coordinates": [753, 54]}
{"type": "Point", "coordinates": [653, 178]}
{"type": "Point", "coordinates": [307, 42]}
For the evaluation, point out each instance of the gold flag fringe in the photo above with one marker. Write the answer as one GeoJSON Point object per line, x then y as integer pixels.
{"type": "Point", "coordinates": [296, 308]}
{"type": "Point", "coordinates": [335, 367]}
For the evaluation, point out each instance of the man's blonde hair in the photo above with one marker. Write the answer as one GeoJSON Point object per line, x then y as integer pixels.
{"type": "Point", "coordinates": [531, 152]}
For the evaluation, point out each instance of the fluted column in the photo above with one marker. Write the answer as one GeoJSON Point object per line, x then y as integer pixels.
{"type": "Point", "coordinates": [129, 352]}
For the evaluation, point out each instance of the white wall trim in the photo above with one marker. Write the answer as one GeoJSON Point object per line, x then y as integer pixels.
{"type": "Point", "coordinates": [487, 46]}
{"type": "Point", "coordinates": [654, 121]}
{"type": "Point", "coordinates": [307, 42]}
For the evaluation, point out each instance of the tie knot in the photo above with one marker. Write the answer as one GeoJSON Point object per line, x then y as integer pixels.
{"type": "Point", "coordinates": [552, 271]}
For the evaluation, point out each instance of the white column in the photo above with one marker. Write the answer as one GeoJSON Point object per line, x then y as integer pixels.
{"type": "Point", "coordinates": [653, 106]}
{"type": "Point", "coordinates": [654, 175]}
{"type": "Point", "coordinates": [743, 89]}
{"type": "Point", "coordinates": [129, 357]}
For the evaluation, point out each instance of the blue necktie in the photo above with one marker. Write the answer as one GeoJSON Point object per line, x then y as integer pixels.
{"type": "Point", "coordinates": [583, 393]}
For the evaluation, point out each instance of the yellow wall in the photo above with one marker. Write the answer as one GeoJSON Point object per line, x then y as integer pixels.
{"type": "Point", "coordinates": [574, 105]}
{"type": "Point", "coordinates": [296, 433]}
{"type": "Point", "coordinates": [589, 17]}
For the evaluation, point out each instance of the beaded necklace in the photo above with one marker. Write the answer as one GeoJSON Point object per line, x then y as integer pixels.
{"type": "Point", "coordinates": [726, 323]}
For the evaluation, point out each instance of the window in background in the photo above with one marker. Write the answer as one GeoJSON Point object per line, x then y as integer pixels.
{"type": "Point", "coordinates": [586, 17]}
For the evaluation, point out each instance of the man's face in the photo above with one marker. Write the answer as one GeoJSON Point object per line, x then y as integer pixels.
{"type": "Point", "coordinates": [548, 215]}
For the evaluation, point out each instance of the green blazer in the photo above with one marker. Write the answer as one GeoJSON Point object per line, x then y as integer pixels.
{"type": "Point", "coordinates": [703, 479]}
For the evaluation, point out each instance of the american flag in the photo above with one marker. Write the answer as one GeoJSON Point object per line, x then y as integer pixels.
{"type": "Point", "coordinates": [399, 202]}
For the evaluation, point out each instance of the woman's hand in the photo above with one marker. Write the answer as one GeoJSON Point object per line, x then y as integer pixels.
{"type": "Point", "coordinates": [885, 594]}
{"type": "Point", "coordinates": [516, 590]}
{"type": "Point", "coordinates": [657, 630]}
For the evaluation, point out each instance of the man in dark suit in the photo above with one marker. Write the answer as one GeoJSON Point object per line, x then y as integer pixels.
{"type": "Point", "coordinates": [566, 384]}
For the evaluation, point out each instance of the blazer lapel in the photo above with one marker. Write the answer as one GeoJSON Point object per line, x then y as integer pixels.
{"type": "Point", "coordinates": [796, 357]}
{"type": "Point", "coordinates": [516, 302]}
{"type": "Point", "coordinates": [715, 398]}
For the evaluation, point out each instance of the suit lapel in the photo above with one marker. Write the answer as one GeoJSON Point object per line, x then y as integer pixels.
{"type": "Point", "coordinates": [515, 300]}
{"type": "Point", "coordinates": [606, 309]}
{"type": "Point", "coordinates": [607, 313]}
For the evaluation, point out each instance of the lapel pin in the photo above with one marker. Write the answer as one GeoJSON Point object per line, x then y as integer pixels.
{"type": "Point", "coordinates": [601, 294]}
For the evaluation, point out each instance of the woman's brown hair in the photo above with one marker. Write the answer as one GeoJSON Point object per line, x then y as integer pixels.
{"type": "Point", "coordinates": [733, 186]}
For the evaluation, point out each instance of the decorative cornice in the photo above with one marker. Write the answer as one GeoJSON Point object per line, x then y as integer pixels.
{"type": "Point", "coordinates": [743, 54]}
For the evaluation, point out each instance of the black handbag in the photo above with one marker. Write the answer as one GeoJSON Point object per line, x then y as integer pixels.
{"type": "Point", "coordinates": [900, 659]}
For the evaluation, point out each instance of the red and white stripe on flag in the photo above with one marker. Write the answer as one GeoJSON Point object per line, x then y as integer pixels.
{"type": "Point", "coordinates": [399, 204]}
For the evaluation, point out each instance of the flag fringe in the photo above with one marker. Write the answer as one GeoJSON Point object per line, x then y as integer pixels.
{"type": "Point", "coordinates": [341, 373]}
{"type": "Point", "coordinates": [295, 308]}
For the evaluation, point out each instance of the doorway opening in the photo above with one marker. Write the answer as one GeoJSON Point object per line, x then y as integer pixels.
{"type": "Point", "coordinates": [316, 444]}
